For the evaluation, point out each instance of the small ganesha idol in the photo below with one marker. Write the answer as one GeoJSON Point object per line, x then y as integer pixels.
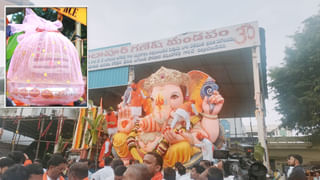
{"type": "Point", "coordinates": [175, 109]}
{"type": "Point", "coordinates": [45, 66]}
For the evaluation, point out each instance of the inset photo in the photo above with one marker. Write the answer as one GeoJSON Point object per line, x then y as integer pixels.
{"type": "Point", "coordinates": [46, 56]}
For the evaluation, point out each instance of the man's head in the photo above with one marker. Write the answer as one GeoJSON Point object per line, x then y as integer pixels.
{"type": "Point", "coordinates": [38, 161]}
{"type": "Point", "coordinates": [78, 171]}
{"type": "Point", "coordinates": [205, 164]}
{"type": "Point", "coordinates": [119, 171]}
{"type": "Point", "coordinates": [169, 174]}
{"type": "Point", "coordinates": [180, 168]}
{"type": "Point", "coordinates": [288, 159]}
{"type": "Point", "coordinates": [105, 136]}
{"type": "Point", "coordinates": [137, 172]}
{"type": "Point", "coordinates": [5, 163]}
{"type": "Point", "coordinates": [35, 171]}
{"type": "Point", "coordinates": [214, 174]}
{"type": "Point", "coordinates": [131, 161]}
{"type": "Point", "coordinates": [295, 160]}
{"type": "Point", "coordinates": [110, 109]}
{"type": "Point", "coordinates": [115, 163]}
{"type": "Point", "coordinates": [17, 156]}
{"type": "Point", "coordinates": [56, 165]}
{"type": "Point", "coordinates": [196, 171]}
{"type": "Point", "coordinates": [153, 161]}
{"type": "Point", "coordinates": [15, 172]}
{"type": "Point", "coordinates": [107, 161]}
{"type": "Point", "coordinates": [91, 164]}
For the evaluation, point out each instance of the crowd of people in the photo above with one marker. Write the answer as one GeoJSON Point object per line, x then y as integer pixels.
{"type": "Point", "coordinates": [152, 169]}
{"type": "Point", "coordinates": [17, 166]}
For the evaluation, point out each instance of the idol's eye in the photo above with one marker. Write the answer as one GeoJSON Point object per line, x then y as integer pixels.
{"type": "Point", "coordinates": [152, 99]}
{"type": "Point", "coordinates": [174, 96]}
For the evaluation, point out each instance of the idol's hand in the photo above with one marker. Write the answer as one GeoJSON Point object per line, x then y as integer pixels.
{"type": "Point", "coordinates": [212, 105]}
{"type": "Point", "coordinates": [173, 137]}
{"type": "Point", "coordinates": [125, 120]}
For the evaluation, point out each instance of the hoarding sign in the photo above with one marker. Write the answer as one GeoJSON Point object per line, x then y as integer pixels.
{"type": "Point", "coordinates": [184, 45]}
{"type": "Point", "coordinates": [77, 14]}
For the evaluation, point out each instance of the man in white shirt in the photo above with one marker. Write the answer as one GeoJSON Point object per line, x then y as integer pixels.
{"type": "Point", "coordinates": [104, 172]}
{"type": "Point", "coordinates": [206, 147]}
{"type": "Point", "coordinates": [290, 167]}
{"type": "Point", "coordinates": [114, 164]}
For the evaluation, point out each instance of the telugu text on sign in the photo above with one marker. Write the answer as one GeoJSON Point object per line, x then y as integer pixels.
{"type": "Point", "coordinates": [184, 45]}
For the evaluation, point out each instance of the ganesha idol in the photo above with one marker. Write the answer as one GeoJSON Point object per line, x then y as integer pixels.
{"type": "Point", "coordinates": [177, 108]}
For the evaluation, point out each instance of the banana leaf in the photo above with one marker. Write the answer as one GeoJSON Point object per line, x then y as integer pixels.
{"type": "Point", "coordinates": [11, 46]}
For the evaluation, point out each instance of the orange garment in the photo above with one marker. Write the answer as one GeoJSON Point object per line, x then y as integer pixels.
{"type": "Point", "coordinates": [157, 176]}
{"type": "Point", "coordinates": [27, 162]}
{"type": "Point", "coordinates": [44, 177]}
{"type": "Point", "coordinates": [70, 104]}
{"type": "Point", "coordinates": [112, 120]}
{"type": "Point", "coordinates": [17, 102]}
{"type": "Point", "coordinates": [137, 96]}
{"type": "Point", "coordinates": [101, 164]}
{"type": "Point", "coordinates": [86, 178]}
{"type": "Point", "coordinates": [102, 152]}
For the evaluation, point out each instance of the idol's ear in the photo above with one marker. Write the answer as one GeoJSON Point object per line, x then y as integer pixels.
{"type": "Point", "coordinates": [197, 87]}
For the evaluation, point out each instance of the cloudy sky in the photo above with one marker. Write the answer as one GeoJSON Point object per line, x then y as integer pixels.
{"type": "Point", "coordinates": [121, 21]}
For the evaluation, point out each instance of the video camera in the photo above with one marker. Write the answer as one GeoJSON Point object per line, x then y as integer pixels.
{"type": "Point", "coordinates": [242, 167]}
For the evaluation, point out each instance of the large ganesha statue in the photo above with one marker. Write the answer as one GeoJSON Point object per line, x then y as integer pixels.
{"type": "Point", "coordinates": [169, 112]}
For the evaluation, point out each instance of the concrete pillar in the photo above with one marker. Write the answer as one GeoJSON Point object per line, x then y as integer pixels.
{"type": "Point", "coordinates": [131, 75]}
{"type": "Point", "coordinates": [78, 39]}
{"type": "Point", "coordinates": [259, 112]}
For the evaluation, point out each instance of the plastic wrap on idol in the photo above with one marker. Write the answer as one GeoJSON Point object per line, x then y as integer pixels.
{"type": "Point", "coordinates": [45, 67]}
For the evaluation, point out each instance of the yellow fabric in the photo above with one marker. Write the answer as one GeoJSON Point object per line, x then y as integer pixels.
{"type": "Point", "coordinates": [120, 144]}
{"type": "Point", "coordinates": [77, 14]}
{"type": "Point", "coordinates": [179, 152]}
{"type": "Point", "coordinates": [79, 129]}
{"type": "Point", "coordinates": [94, 112]}
{"type": "Point", "coordinates": [134, 152]}
{"type": "Point", "coordinates": [195, 119]}
{"type": "Point", "coordinates": [136, 155]}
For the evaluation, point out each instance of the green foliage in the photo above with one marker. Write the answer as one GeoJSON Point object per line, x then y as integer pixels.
{"type": "Point", "coordinates": [49, 14]}
{"type": "Point", "coordinates": [17, 17]}
{"type": "Point", "coordinates": [258, 152]}
{"type": "Point", "coordinates": [91, 136]}
{"type": "Point", "coordinates": [11, 46]}
{"type": "Point", "coordinates": [297, 83]}
{"type": "Point", "coordinates": [61, 142]}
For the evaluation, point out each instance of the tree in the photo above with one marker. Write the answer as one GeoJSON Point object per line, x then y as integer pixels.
{"type": "Point", "coordinates": [95, 124]}
{"type": "Point", "coordinates": [297, 83]}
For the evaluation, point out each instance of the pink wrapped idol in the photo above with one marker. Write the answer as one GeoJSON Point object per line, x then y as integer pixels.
{"type": "Point", "coordinates": [45, 67]}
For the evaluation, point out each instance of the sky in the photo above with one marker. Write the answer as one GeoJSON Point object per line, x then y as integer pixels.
{"type": "Point", "coordinates": [115, 22]}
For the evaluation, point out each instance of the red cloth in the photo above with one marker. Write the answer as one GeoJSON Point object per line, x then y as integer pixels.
{"type": "Point", "coordinates": [112, 120]}
{"type": "Point", "coordinates": [157, 176]}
